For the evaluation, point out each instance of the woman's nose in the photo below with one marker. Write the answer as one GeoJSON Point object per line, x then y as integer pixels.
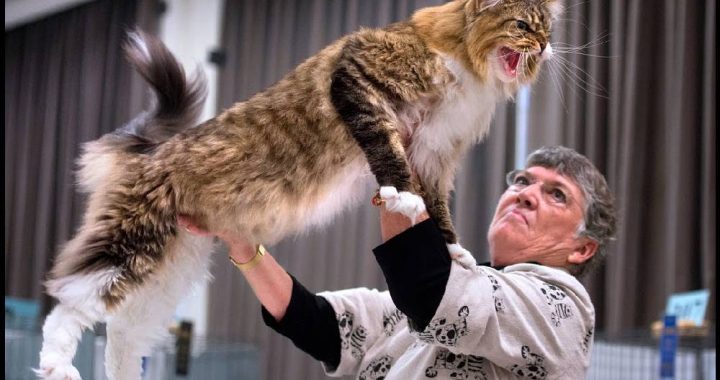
{"type": "Point", "coordinates": [528, 196]}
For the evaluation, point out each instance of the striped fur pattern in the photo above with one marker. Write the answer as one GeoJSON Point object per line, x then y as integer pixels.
{"type": "Point", "coordinates": [399, 105]}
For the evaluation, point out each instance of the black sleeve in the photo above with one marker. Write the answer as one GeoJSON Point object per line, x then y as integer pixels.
{"type": "Point", "coordinates": [311, 324]}
{"type": "Point", "coordinates": [416, 265]}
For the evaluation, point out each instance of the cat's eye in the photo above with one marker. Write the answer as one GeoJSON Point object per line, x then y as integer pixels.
{"type": "Point", "coordinates": [522, 25]}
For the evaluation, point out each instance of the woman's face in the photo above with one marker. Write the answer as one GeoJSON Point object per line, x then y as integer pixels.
{"type": "Point", "coordinates": [537, 219]}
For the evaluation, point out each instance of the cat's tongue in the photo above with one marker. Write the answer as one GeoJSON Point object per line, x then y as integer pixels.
{"type": "Point", "coordinates": [511, 59]}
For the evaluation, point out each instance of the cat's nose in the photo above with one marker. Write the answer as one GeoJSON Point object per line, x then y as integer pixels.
{"type": "Point", "coordinates": [546, 51]}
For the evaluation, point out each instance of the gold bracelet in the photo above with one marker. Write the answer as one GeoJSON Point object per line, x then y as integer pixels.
{"type": "Point", "coordinates": [377, 200]}
{"type": "Point", "coordinates": [260, 251]}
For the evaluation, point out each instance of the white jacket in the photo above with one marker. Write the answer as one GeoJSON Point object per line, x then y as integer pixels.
{"type": "Point", "coordinates": [527, 321]}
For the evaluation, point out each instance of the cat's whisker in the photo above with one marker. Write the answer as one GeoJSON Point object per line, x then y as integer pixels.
{"type": "Point", "coordinates": [567, 9]}
{"type": "Point", "coordinates": [573, 68]}
{"type": "Point", "coordinates": [522, 73]}
{"type": "Point", "coordinates": [506, 55]}
{"type": "Point", "coordinates": [555, 78]}
{"type": "Point", "coordinates": [584, 54]}
{"type": "Point", "coordinates": [561, 47]}
{"type": "Point", "coordinates": [573, 78]}
{"type": "Point", "coordinates": [588, 85]}
{"type": "Point", "coordinates": [526, 66]}
{"type": "Point", "coordinates": [574, 20]}
{"type": "Point", "coordinates": [596, 42]}
{"type": "Point", "coordinates": [566, 21]}
{"type": "Point", "coordinates": [522, 64]}
{"type": "Point", "coordinates": [562, 66]}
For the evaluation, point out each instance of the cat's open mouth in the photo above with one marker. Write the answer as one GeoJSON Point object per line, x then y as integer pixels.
{"type": "Point", "coordinates": [510, 59]}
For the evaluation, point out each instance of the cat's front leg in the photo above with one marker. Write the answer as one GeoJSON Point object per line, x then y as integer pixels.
{"type": "Point", "coordinates": [366, 117]}
{"type": "Point", "coordinates": [404, 202]}
{"type": "Point", "coordinates": [437, 207]}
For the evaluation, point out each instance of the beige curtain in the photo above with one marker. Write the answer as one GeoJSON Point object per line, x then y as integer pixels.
{"type": "Point", "coordinates": [637, 98]}
{"type": "Point", "coordinates": [66, 83]}
{"type": "Point", "coordinates": [641, 105]}
{"type": "Point", "coordinates": [262, 41]}
{"type": "Point", "coordinates": [650, 129]}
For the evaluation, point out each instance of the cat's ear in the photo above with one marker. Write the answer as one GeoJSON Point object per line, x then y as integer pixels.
{"type": "Point", "coordinates": [555, 7]}
{"type": "Point", "coordinates": [475, 7]}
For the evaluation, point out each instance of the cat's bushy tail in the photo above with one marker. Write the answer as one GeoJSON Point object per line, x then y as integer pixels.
{"type": "Point", "coordinates": [131, 213]}
{"type": "Point", "coordinates": [177, 101]}
{"type": "Point", "coordinates": [130, 220]}
{"type": "Point", "coordinates": [131, 208]}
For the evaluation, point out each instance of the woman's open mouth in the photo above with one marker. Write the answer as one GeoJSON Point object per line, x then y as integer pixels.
{"type": "Point", "coordinates": [510, 59]}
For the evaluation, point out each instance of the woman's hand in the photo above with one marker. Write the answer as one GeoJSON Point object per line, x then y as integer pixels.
{"type": "Point", "coordinates": [271, 284]}
{"type": "Point", "coordinates": [393, 223]}
{"type": "Point", "coordinates": [241, 249]}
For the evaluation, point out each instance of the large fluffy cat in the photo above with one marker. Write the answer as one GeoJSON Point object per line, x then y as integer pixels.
{"type": "Point", "coordinates": [409, 98]}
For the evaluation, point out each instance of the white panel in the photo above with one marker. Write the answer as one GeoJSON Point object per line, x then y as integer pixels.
{"type": "Point", "coordinates": [191, 29]}
{"type": "Point", "coordinates": [18, 12]}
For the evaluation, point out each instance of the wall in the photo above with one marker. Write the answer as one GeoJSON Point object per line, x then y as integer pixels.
{"type": "Point", "coordinates": [191, 29]}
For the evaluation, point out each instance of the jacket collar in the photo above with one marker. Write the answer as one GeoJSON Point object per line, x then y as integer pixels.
{"type": "Point", "coordinates": [487, 264]}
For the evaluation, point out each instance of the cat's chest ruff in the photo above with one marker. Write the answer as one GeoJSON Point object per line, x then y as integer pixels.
{"type": "Point", "coordinates": [462, 115]}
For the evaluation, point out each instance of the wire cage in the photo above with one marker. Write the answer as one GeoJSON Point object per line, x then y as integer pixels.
{"type": "Point", "coordinates": [635, 355]}
{"type": "Point", "coordinates": [632, 355]}
{"type": "Point", "coordinates": [208, 359]}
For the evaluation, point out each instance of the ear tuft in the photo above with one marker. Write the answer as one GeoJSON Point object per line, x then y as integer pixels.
{"type": "Point", "coordinates": [474, 7]}
{"type": "Point", "coordinates": [555, 7]}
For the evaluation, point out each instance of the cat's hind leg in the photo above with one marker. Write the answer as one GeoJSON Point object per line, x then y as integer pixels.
{"type": "Point", "coordinates": [80, 307]}
{"type": "Point", "coordinates": [127, 342]}
{"type": "Point", "coordinates": [61, 333]}
{"type": "Point", "coordinates": [143, 320]}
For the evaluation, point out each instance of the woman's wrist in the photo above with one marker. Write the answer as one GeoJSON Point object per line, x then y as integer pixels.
{"type": "Point", "coordinates": [242, 253]}
{"type": "Point", "coordinates": [246, 265]}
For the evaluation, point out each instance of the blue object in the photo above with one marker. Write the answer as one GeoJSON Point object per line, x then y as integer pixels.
{"type": "Point", "coordinates": [145, 360]}
{"type": "Point", "coordinates": [689, 306]}
{"type": "Point", "coordinates": [21, 313]}
{"type": "Point", "coordinates": [668, 347]}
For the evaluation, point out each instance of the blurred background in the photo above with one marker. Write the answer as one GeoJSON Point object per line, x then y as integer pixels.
{"type": "Point", "coordinates": [632, 86]}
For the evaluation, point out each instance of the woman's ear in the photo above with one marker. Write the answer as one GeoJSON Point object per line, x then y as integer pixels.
{"type": "Point", "coordinates": [584, 251]}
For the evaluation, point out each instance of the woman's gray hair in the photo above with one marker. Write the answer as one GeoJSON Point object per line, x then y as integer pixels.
{"type": "Point", "coordinates": [600, 219]}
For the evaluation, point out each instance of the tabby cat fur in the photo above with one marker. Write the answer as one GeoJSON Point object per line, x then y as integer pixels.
{"type": "Point", "coordinates": [402, 103]}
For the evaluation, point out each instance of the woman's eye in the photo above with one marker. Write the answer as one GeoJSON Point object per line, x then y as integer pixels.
{"type": "Point", "coordinates": [558, 195]}
{"type": "Point", "coordinates": [521, 180]}
{"type": "Point", "coordinates": [522, 25]}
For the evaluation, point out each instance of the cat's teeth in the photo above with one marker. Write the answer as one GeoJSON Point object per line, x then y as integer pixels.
{"type": "Point", "coordinates": [510, 59]}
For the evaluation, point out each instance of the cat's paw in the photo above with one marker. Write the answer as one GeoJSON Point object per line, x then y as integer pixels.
{"type": "Point", "coordinates": [462, 256]}
{"type": "Point", "coordinates": [54, 366]}
{"type": "Point", "coordinates": [404, 202]}
{"type": "Point", "coordinates": [58, 372]}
